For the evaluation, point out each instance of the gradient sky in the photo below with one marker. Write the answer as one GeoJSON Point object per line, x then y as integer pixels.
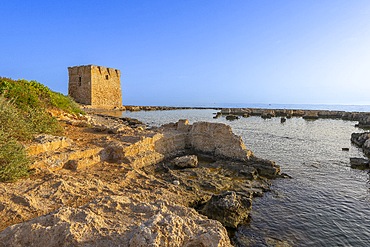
{"type": "Point", "coordinates": [196, 52]}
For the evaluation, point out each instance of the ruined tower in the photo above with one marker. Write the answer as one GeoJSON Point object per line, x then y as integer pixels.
{"type": "Point", "coordinates": [93, 85]}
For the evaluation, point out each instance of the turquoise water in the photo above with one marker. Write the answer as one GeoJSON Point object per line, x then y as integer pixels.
{"type": "Point", "coordinates": [326, 203]}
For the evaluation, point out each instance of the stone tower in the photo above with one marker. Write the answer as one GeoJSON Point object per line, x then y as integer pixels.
{"type": "Point", "coordinates": [93, 85]}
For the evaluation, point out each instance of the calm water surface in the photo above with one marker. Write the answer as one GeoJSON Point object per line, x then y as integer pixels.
{"type": "Point", "coordinates": [325, 204]}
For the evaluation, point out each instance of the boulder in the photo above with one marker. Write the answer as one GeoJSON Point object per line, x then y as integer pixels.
{"type": "Point", "coordinates": [282, 120]}
{"type": "Point", "coordinates": [366, 147]}
{"type": "Point", "coordinates": [360, 138]}
{"type": "Point", "coordinates": [218, 114]}
{"type": "Point", "coordinates": [230, 208]}
{"type": "Point", "coordinates": [188, 161]}
{"type": "Point", "coordinates": [364, 121]}
{"type": "Point", "coordinates": [359, 163]}
{"type": "Point", "coordinates": [232, 117]}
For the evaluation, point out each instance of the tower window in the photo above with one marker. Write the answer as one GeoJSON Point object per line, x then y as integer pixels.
{"type": "Point", "coordinates": [106, 77]}
{"type": "Point", "coordinates": [79, 81]}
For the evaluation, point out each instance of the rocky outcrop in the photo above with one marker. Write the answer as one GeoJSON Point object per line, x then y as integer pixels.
{"type": "Point", "coordinates": [311, 115]}
{"type": "Point", "coordinates": [118, 221]}
{"type": "Point", "coordinates": [232, 117]}
{"type": "Point", "coordinates": [45, 143]}
{"type": "Point", "coordinates": [215, 139]}
{"type": "Point", "coordinates": [362, 140]}
{"type": "Point", "coordinates": [218, 139]}
{"type": "Point", "coordinates": [362, 117]}
{"type": "Point", "coordinates": [70, 159]}
{"type": "Point", "coordinates": [230, 208]}
{"type": "Point", "coordinates": [188, 161]}
{"type": "Point", "coordinates": [359, 163]}
{"type": "Point", "coordinates": [132, 194]}
{"type": "Point", "coordinates": [364, 121]}
{"type": "Point", "coordinates": [265, 168]}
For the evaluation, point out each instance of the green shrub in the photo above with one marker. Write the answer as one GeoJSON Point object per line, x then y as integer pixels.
{"type": "Point", "coordinates": [14, 163]}
{"type": "Point", "coordinates": [32, 94]}
{"type": "Point", "coordinates": [23, 113]}
{"type": "Point", "coordinates": [41, 121]}
{"type": "Point", "coordinates": [13, 121]}
{"type": "Point", "coordinates": [64, 103]}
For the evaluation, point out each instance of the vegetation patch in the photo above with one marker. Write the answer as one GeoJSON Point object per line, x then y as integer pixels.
{"type": "Point", "coordinates": [13, 158]}
{"type": "Point", "coordinates": [24, 112]}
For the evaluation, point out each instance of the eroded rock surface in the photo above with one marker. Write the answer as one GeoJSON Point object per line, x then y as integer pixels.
{"type": "Point", "coordinates": [230, 208]}
{"type": "Point", "coordinates": [118, 221]}
{"type": "Point", "coordinates": [114, 184]}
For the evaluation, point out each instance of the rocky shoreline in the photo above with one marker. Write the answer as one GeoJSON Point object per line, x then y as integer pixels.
{"type": "Point", "coordinates": [363, 118]}
{"type": "Point", "coordinates": [111, 181]}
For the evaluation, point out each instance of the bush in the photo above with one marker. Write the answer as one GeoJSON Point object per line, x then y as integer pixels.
{"type": "Point", "coordinates": [13, 121]}
{"type": "Point", "coordinates": [14, 163]}
{"type": "Point", "coordinates": [23, 113]}
{"type": "Point", "coordinates": [32, 94]}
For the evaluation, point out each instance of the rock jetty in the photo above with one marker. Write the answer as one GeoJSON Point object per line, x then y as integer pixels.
{"type": "Point", "coordinates": [362, 117]}
{"type": "Point", "coordinates": [111, 181]}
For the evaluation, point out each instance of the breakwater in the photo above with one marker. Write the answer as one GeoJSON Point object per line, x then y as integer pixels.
{"type": "Point", "coordinates": [362, 117]}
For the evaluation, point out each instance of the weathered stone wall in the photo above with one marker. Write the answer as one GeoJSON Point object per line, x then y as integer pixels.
{"type": "Point", "coordinates": [79, 87]}
{"type": "Point", "coordinates": [106, 86]}
{"type": "Point", "coordinates": [95, 85]}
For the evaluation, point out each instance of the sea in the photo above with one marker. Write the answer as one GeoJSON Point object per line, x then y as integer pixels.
{"type": "Point", "coordinates": [325, 203]}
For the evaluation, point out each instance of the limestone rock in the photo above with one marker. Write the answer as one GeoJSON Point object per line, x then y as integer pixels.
{"type": "Point", "coordinates": [118, 221]}
{"type": "Point", "coordinates": [183, 125]}
{"type": "Point", "coordinates": [230, 208]}
{"type": "Point", "coordinates": [219, 140]}
{"type": "Point", "coordinates": [45, 143]}
{"type": "Point", "coordinates": [188, 161]}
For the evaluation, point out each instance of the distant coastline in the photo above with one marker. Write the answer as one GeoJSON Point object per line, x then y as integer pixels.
{"type": "Point", "coordinates": [321, 107]}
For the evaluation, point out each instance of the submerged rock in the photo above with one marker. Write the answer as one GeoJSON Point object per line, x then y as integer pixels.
{"type": "Point", "coordinates": [232, 117]}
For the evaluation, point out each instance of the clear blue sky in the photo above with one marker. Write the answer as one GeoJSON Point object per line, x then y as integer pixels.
{"type": "Point", "coordinates": [196, 52]}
